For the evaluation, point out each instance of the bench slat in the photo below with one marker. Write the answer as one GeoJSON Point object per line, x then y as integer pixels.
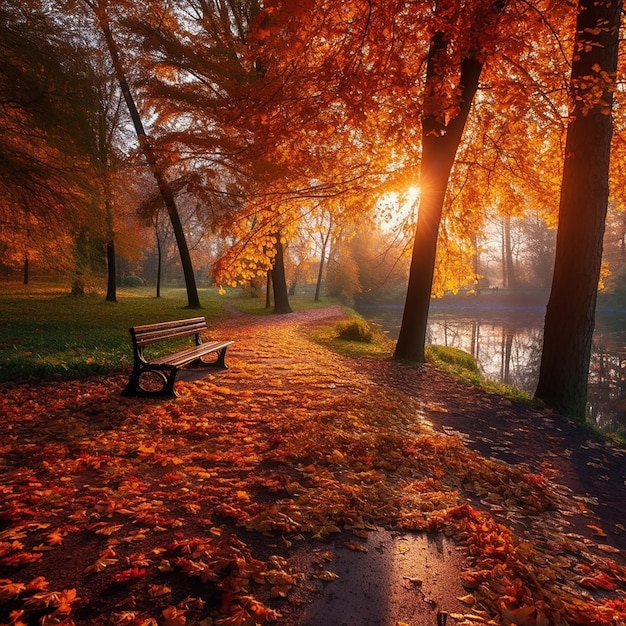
{"type": "Point", "coordinates": [171, 324]}
{"type": "Point", "coordinates": [153, 333]}
{"type": "Point", "coordinates": [185, 356]}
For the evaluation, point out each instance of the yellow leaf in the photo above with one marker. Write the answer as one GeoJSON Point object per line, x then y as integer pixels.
{"type": "Point", "coordinates": [55, 538]}
{"type": "Point", "coordinates": [100, 564]}
{"type": "Point", "coordinates": [156, 591]}
{"type": "Point", "coordinates": [468, 599]}
{"type": "Point", "coordinates": [596, 530]}
{"type": "Point", "coordinates": [326, 575]}
{"type": "Point", "coordinates": [356, 547]}
{"type": "Point", "coordinates": [607, 548]}
{"type": "Point", "coordinates": [10, 590]}
{"type": "Point", "coordinates": [174, 617]}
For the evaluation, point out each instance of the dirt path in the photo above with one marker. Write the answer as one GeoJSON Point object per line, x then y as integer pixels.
{"type": "Point", "coordinates": [585, 469]}
{"type": "Point", "coordinates": [496, 427]}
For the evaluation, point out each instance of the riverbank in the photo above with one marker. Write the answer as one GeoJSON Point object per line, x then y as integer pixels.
{"type": "Point", "coordinates": [503, 332]}
{"type": "Point", "coordinates": [244, 499]}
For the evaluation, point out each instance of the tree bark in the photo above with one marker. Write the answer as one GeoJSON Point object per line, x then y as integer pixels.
{"type": "Point", "coordinates": [440, 142]}
{"type": "Point", "coordinates": [111, 272]}
{"type": "Point", "coordinates": [159, 270]}
{"type": "Point", "coordinates": [268, 289]}
{"type": "Point", "coordinates": [320, 272]}
{"type": "Point", "coordinates": [509, 270]}
{"type": "Point", "coordinates": [279, 281]}
{"type": "Point", "coordinates": [193, 301]}
{"type": "Point", "coordinates": [570, 315]}
{"type": "Point", "coordinates": [110, 247]}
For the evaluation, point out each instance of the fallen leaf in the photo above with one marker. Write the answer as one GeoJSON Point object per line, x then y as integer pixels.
{"type": "Point", "coordinates": [354, 546]}
{"type": "Point", "coordinates": [326, 575]}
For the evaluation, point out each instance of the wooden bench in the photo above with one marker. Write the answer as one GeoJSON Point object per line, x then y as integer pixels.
{"type": "Point", "coordinates": [155, 377]}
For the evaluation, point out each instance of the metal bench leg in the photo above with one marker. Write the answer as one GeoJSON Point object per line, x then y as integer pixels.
{"type": "Point", "coordinates": [221, 355]}
{"type": "Point", "coordinates": [132, 389]}
{"type": "Point", "coordinates": [168, 389]}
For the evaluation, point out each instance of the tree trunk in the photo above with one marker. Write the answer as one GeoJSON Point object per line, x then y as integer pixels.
{"type": "Point", "coordinates": [440, 141]}
{"type": "Point", "coordinates": [281, 298]}
{"type": "Point", "coordinates": [439, 146]}
{"type": "Point", "coordinates": [159, 264]}
{"type": "Point", "coordinates": [507, 256]}
{"type": "Point", "coordinates": [111, 272]}
{"type": "Point", "coordinates": [268, 290]}
{"type": "Point", "coordinates": [193, 301]}
{"type": "Point", "coordinates": [320, 272]}
{"type": "Point", "coordinates": [570, 315]}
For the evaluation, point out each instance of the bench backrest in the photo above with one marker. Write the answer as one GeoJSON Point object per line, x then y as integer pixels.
{"type": "Point", "coordinates": [153, 333]}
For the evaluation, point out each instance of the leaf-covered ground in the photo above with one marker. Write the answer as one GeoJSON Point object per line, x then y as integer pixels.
{"type": "Point", "coordinates": [198, 510]}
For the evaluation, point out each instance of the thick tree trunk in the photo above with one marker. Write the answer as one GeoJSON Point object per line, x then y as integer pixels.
{"type": "Point", "coordinates": [570, 315]}
{"type": "Point", "coordinates": [439, 146]}
{"type": "Point", "coordinates": [193, 300]}
{"type": "Point", "coordinates": [440, 141]}
{"type": "Point", "coordinates": [279, 281]}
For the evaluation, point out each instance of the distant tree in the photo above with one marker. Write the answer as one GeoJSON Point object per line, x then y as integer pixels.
{"type": "Point", "coordinates": [570, 315]}
{"type": "Point", "coordinates": [100, 10]}
{"type": "Point", "coordinates": [382, 258]}
{"type": "Point", "coordinates": [279, 281]}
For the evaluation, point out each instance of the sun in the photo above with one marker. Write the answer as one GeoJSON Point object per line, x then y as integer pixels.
{"type": "Point", "coordinates": [398, 208]}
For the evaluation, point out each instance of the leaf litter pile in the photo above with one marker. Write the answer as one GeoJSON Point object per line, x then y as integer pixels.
{"type": "Point", "coordinates": [188, 511]}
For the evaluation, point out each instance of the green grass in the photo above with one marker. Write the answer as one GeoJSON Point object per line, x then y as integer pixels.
{"type": "Point", "coordinates": [464, 366]}
{"type": "Point", "coordinates": [46, 333]}
{"type": "Point", "coordinates": [451, 360]}
{"type": "Point", "coordinates": [256, 306]}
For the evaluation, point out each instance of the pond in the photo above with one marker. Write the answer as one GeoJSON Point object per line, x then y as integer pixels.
{"type": "Point", "coordinates": [505, 337]}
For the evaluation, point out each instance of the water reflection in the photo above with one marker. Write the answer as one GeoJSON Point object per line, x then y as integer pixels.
{"type": "Point", "coordinates": [507, 348]}
{"type": "Point", "coordinates": [503, 352]}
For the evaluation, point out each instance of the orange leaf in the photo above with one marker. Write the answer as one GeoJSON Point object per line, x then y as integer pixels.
{"type": "Point", "coordinates": [599, 581]}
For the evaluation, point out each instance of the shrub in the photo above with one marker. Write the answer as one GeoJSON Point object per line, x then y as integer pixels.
{"type": "Point", "coordinates": [132, 281]}
{"type": "Point", "coordinates": [356, 329]}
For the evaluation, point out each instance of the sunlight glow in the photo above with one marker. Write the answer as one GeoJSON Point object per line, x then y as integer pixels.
{"type": "Point", "coordinates": [412, 194]}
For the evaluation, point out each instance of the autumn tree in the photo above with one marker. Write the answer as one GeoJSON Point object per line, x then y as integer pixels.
{"type": "Point", "coordinates": [206, 87]}
{"type": "Point", "coordinates": [101, 12]}
{"type": "Point", "coordinates": [570, 315]}
{"type": "Point", "coordinates": [48, 173]}
{"type": "Point", "coordinates": [199, 88]}
{"type": "Point", "coordinates": [443, 122]}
